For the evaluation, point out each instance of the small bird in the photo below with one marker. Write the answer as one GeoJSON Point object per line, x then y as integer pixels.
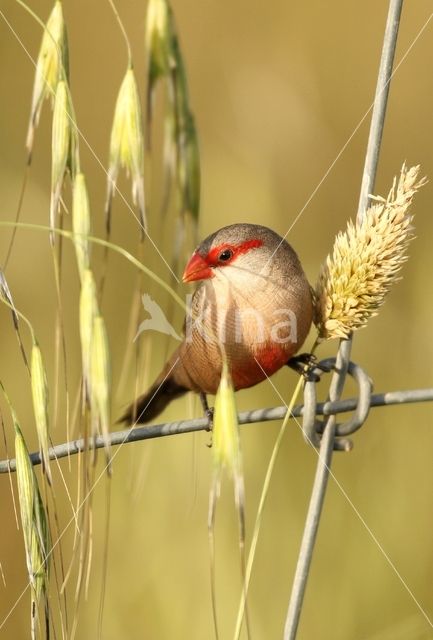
{"type": "Point", "coordinates": [252, 306]}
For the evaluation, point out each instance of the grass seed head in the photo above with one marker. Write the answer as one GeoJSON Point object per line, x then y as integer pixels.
{"type": "Point", "coordinates": [165, 60]}
{"type": "Point", "coordinates": [225, 436]}
{"type": "Point", "coordinates": [366, 260]}
{"type": "Point", "coordinates": [51, 66]}
{"type": "Point", "coordinates": [81, 222]}
{"type": "Point", "coordinates": [100, 381]}
{"type": "Point", "coordinates": [88, 311]}
{"type": "Point", "coordinates": [189, 166]}
{"type": "Point", "coordinates": [226, 450]}
{"type": "Point", "coordinates": [34, 520]}
{"type": "Point", "coordinates": [40, 404]}
{"type": "Point", "coordinates": [127, 146]}
{"type": "Point", "coordinates": [159, 25]}
{"type": "Point", "coordinates": [64, 147]}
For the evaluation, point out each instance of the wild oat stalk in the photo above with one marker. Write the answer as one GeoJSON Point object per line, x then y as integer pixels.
{"type": "Point", "coordinates": [366, 260]}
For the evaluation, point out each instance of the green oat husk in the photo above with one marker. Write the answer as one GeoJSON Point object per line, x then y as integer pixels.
{"type": "Point", "coordinates": [165, 61]}
{"type": "Point", "coordinates": [100, 383]}
{"type": "Point", "coordinates": [51, 66]}
{"type": "Point", "coordinates": [64, 147]}
{"type": "Point", "coordinates": [81, 222]}
{"type": "Point", "coordinates": [127, 147]}
{"type": "Point", "coordinates": [35, 527]}
{"type": "Point", "coordinates": [89, 309]}
{"type": "Point", "coordinates": [39, 386]}
{"type": "Point", "coordinates": [227, 457]}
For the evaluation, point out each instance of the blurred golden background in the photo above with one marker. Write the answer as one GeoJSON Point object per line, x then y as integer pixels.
{"type": "Point", "coordinates": [280, 92]}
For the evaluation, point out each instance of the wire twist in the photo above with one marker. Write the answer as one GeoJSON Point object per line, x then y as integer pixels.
{"type": "Point", "coordinates": [313, 429]}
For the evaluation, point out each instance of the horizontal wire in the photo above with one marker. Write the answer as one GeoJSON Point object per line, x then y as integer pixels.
{"type": "Point", "coordinates": [201, 424]}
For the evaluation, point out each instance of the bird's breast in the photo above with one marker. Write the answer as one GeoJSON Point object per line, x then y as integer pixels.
{"type": "Point", "coordinates": [259, 330]}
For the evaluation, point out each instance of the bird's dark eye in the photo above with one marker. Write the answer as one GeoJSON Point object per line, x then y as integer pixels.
{"type": "Point", "coordinates": [225, 255]}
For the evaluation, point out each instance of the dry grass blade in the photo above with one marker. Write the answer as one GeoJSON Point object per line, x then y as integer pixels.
{"type": "Point", "coordinates": [40, 405]}
{"type": "Point", "coordinates": [100, 383]}
{"type": "Point", "coordinates": [226, 457]}
{"type": "Point", "coordinates": [52, 64]}
{"type": "Point", "coordinates": [127, 147]}
{"type": "Point", "coordinates": [64, 149]}
{"type": "Point", "coordinates": [35, 527]}
{"type": "Point", "coordinates": [366, 260]}
{"type": "Point", "coordinates": [81, 222]}
{"type": "Point", "coordinates": [88, 311]}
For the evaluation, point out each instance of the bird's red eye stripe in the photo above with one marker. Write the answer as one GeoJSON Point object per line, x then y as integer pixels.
{"type": "Point", "coordinates": [213, 257]}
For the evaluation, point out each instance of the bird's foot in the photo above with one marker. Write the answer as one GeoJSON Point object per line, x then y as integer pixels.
{"type": "Point", "coordinates": [307, 366]}
{"type": "Point", "coordinates": [208, 412]}
{"type": "Point", "coordinates": [209, 416]}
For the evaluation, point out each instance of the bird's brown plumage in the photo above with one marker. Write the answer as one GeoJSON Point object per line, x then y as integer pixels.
{"type": "Point", "coordinates": [254, 303]}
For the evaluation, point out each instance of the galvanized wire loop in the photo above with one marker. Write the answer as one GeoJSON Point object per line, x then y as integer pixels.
{"type": "Point", "coordinates": [313, 428]}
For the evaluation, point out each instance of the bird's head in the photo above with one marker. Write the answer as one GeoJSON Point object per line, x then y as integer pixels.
{"type": "Point", "coordinates": [248, 247]}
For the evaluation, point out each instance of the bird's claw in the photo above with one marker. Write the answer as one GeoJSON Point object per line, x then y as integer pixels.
{"type": "Point", "coordinates": [209, 428]}
{"type": "Point", "coordinates": [209, 416]}
{"type": "Point", "coordinates": [208, 412]}
{"type": "Point", "coordinates": [307, 366]}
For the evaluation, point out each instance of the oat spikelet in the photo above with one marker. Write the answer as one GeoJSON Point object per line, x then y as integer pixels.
{"type": "Point", "coordinates": [227, 458]}
{"type": "Point", "coordinates": [127, 147]}
{"type": "Point", "coordinates": [100, 384]}
{"type": "Point", "coordinates": [366, 260]}
{"type": "Point", "coordinates": [35, 527]}
{"type": "Point", "coordinates": [225, 441]}
{"type": "Point", "coordinates": [89, 309]}
{"type": "Point", "coordinates": [159, 27]}
{"type": "Point", "coordinates": [165, 62]}
{"type": "Point", "coordinates": [81, 222]}
{"type": "Point", "coordinates": [64, 147]}
{"type": "Point", "coordinates": [40, 405]}
{"type": "Point", "coordinates": [51, 66]}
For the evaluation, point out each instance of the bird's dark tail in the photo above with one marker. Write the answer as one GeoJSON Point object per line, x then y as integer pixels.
{"type": "Point", "coordinates": [153, 402]}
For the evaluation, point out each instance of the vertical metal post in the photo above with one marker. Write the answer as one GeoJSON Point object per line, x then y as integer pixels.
{"type": "Point", "coordinates": [343, 355]}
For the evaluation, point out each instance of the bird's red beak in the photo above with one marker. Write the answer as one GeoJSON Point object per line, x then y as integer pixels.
{"type": "Point", "coordinates": [196, 269]}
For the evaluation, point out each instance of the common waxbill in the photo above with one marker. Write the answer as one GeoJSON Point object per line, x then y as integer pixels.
{"type": "Point", "coordinates": [254, 303]}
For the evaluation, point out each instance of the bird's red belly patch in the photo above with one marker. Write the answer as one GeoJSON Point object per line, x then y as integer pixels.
{"type": "Point", "coordinates": [265, 363]}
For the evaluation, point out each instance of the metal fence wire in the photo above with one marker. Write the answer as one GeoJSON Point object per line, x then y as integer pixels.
{"type": "Point", "coordinates": [327, 435]}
